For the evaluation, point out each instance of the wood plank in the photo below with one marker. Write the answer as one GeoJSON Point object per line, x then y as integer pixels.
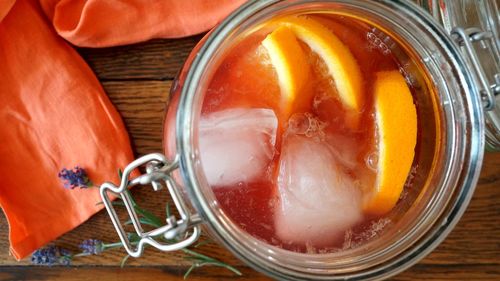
{"type": "Point", "coordinates": [469, 272]}
{"type": "Point", "coordinates": [170, 273]}
{"type": "Point", "coordinates": [142, 105]}
{"type": "Point", "coordinates": [476, 238]}
{"type": "Point", "coordinates": [158, 59]}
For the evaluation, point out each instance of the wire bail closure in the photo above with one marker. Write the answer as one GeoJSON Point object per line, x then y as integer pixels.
{"type": "Point", "coordinates": [465, 38]}
{"type": "Point", "coordinates": [184, 230]}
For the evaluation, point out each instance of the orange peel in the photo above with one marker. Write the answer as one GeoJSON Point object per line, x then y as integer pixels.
{"type": "Point", "coordinates": [341, 64]}
{"type": "Point", "coordinates": [396, 119]}
{"type": "Point", "coordinates": [290, 62]}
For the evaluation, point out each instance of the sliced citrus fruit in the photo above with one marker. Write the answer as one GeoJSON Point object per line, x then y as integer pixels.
{"type": "Point", "coordinates": [290, 62]}
{"type": "Point", "coordinates": [396, 119]}
{"type": "Point", "coordinates": [341, 64]}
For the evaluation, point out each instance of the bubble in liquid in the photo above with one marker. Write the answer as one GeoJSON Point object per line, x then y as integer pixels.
{"type": "Point", "coordinates": [407, 72]}
{"type": "Point", "coordinates": [306, 124]}
{"type": "Point", "coordinates": [375, 229]}
{"type": "Point", "coordinates": [347, 240]}
{"type": "Point", "coordinates": [371, 161]}
{"type": "Point", "coordinates": [411, 176]}
{"type": "Point", "coordinates": [298, 124]}
{"type": "Point", "coordinates": [378, 40]}
{"type": "Point", "coordinates": [310, 249]}
{"type": "Point", "coordinates": [353, 240]}
{"type": "Point", "coordinates": [409, 182]}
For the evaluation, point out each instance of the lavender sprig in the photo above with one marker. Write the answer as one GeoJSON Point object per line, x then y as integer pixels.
{"type": "Point", "coordinates": [76, 177]}
{"type": "Point", "coordinates": [95, 247]}
{"type": "Point", "coordinates": [51, 255]}
{"type": "Point", "coordinates": [92, 246]}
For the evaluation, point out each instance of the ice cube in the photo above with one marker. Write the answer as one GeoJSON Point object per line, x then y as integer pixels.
{"type": "Point", "coordinates": [237, 145]}
{"type": "Point", "coordinates": [344, 149]}
{"type": "Point", "coordinates": [318, 202]}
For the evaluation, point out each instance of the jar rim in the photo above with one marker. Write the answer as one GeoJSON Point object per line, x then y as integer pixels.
{"type": "Point", "coordinates": [185, 136]}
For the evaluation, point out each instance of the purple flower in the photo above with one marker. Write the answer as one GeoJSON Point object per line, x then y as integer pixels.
{"type": "Point", "coordinates": [51, 255]}
{"type": "Point", "coordinates": [92, 246]}
{"type": "Point", "coordinates": [74, 178]}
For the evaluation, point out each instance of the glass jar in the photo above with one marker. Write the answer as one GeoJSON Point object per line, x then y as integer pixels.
{"type": "Point", "coordinates": [480, 17]}
{"type": "Point", "coordinates": [451, 150]}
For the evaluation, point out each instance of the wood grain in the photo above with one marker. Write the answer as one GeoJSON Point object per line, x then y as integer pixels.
{"type": "Point", "coordinates": [85, 273]}
{"type": "Point", "coordinates": [142, 105]}
{"type": "Point", "coordinates": [172, 273]}
{"type": "Point", "coordinates": [159, 59]}
{"type": "Point", "coordinates": [137, 78]}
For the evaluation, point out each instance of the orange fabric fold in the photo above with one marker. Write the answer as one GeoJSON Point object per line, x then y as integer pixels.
{"type": "Point", "coordinates": [55, 115]}
{"type": "Point", "coordinates": [54, 112]}
{"type": "Point", "coordinates": [5, 6]}
{"type": "Point", "coordinates": [99, 23]}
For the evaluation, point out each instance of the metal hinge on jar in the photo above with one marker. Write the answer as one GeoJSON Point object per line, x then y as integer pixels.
{"type": "Point", "coordinates": [465, 38]}
{"type": "Point", "coordinates": [184, 230]}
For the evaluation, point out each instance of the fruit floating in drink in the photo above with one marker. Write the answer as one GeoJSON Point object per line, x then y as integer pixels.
{"type": "Point", "coordinates": [308, 132]}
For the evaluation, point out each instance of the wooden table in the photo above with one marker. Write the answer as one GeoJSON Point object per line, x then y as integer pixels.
{"type": "Point", "coordinates": [137, 79]}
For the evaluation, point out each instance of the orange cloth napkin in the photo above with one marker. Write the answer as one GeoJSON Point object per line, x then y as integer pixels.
{"type": "Point", "coordinates": [98, 23]}
{"type": "Point", "coordinates": [55, 114]}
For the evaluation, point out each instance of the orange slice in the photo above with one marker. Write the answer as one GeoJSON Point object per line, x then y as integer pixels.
{"type": "Point", "coordinates": [341, 64]}
{"type": "Point", "coordinates": [396, 119]}
{"type": "Point", "coordinates": [290, 62]}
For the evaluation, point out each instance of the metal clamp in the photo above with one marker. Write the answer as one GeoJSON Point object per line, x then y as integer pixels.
{"type": "Point", "coordinates": [465, 38]}
{"type": "Point", "coordinates": [158, 173]}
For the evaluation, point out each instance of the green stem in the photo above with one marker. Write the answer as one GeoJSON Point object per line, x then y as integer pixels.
{"type": "Point", "coordinates": [124, 260]}
{"type": "Point", "coordinates": [190, 270]}
{"type": "Point", "coordinates": [212, 261]}
{"type": "Point", "coordinates": [112, 245]}
{"type": "Point", "coordinates": [81, 255]}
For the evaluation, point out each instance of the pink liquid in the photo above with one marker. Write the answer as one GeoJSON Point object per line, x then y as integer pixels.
{"type": "Point", "coordinates": [242, 81]}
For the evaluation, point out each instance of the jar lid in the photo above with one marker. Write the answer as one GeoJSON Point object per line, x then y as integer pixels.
{"type": "Point", "coordinates": [475, 26]}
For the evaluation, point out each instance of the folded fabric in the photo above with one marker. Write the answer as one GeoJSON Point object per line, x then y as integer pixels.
{"type": "Point", "coordinates": [54, 112]}
{"type": "Point", "coordinates": [5, 6]}
{"type": "Point", "coordinates": [99, 23]}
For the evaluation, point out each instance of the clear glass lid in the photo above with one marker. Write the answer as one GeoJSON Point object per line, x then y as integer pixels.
{"type": "Point", "coordinates": [475, 26]}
